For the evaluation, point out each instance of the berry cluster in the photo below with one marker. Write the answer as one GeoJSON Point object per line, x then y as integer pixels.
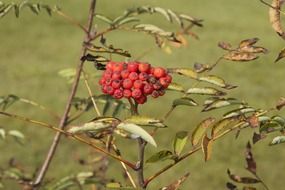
{"type": "Point", "coordinates": [134, 80]}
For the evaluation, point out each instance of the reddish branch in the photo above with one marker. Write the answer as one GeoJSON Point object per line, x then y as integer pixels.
{"type": "Point", "coordinates": [64, 118]}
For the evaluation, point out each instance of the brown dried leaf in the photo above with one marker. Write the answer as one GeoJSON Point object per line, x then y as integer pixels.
{"type": "Point", "coordinates": [253, 49]}
{"type": "Point", "coordinates": [281, 55]}
{"type": "Point", "coordinates": [225, 46]}
{"type": "Point", "coordinates": [207, 145]}
{"type": "Point", "coordinates": [248, 42]}
{"type": "Point", "coordinates": [253, 121]}
{"type": "Point", "coordinates": [244, 180]}
{"type": "Point", "coordinates": [231, 186]}
{"type": "Point", "coordinates": [199, 68]}
{"type": "Point", "coordinates": [257, 137]}
{"type": "Point", "coordinates": [274, 16]}
{"type": "Point", "coordinates": [280, 103]}
{"type": "Point", "coordinates": [250, 162]}
{"type": "Point", "coordinates": [200, 130]}
{"type": "Point", "coordinates": [240, 56]}
{"type": "Point", "coordinates": [176, 184]}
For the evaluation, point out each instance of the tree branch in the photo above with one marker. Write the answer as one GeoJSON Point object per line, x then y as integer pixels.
{"type": "Point", "coordinates": [40, 176]}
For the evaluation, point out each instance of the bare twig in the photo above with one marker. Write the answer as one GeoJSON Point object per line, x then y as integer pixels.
{"type": "Point", "coordinates": [40, 176]}
{"type": "Point", "coordinates": [71, 20]}
{"type": "Point", "coordinates": [90, 94]}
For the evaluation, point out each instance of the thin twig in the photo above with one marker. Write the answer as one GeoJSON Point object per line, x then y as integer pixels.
{"type": "Point", "coordinates": [261, 181]}
{"type": "Point", "coordinates": [90, 94]}
{"type": "Point", "coordinates": [71, 20]}
{"type": "Point", "coordinates": [26, 101]}
{"type": "Point", "coordinates": [195, 149]}
{"type": "Point", "coordinates": [124, 166]}
{"type": "Point", "coordinates": [40, 176]}
{"type": "Point", "coordinates": [69, 135]}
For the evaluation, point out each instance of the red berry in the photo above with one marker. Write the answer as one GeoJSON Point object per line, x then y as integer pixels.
{"type": "Point", "coordinates": [133, 76]}
{"type": "Point", "coordinates": [168, 78]}
{"type": "Point", "coordinates": [102, 81]}
{"type": "Point", "coordinates": [151, 70]}
{"type": "Point", "coordinates": [127, 84]}
{"type": "Point", "coordinates": [152, 80]}
{"type": "Point", "coordinates": [143, 76]}
{"type": "Point", "coordinates": [107, 74]}
{"type": "Point", "coordinates": [127, 93]}
{"type": "Point", "coordinates": [155, 94]}
{"type": "Point", "coordinates": [136, 93]}
{"type": "Point", "coordinates": [116, 84]}
{"type": "Point", "coordinates": [157, 86]}
{"type": "Point", "coordinates": [144, 67]}
{"type": "Point", "coordinates": [164, 82]}
{"type": "Point", "coordinates": [138, 84]}
{"type": "Point", "coordinates": [132, 67]}
{"type": "Point", "coordinates": [104, 89]}
{"type": "Point", "coordinates": [110, 90]}
{"type": "Point", "coordinates": [159, 72]}
{"type": "Point", "coordinates": [118, 93]}
{"type": "Point", "coordinates": [141, 100]}
{"type": "Point", "coordinates": [161, 92]}
{"type": "Point", "coordinates": [108, 81]}
{"type": "Point", "coordinates": [118, 66]}
{"type": "Point", "coordinates": [147, 89]}
{"type": "Point", "coordinates": [125, 74]}
{"type": "Point", "coordinates": [116, 75]}
{"type": "Point", "coordinates": [109, 65]}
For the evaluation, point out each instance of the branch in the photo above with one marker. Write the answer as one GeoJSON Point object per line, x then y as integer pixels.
{"type": "Point", "coordinates": [70, 135]}
{"type": "Point", "coordinates": [140, 165]}
{"type": "Point", "coordinates": [40, 176]}
{"type": "Point", "coordinates": [186, 155]}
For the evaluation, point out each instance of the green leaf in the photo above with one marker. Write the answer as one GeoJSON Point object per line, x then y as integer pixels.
{"type": "Point", "coordinates": [212, 79]}
{"type": "Point", "coordinates": [136, 130]}
{"type": "Point", "coordinates": [1, 185]}
{"type": "Point", "coordinates": [200, 130]}
{"type": "Point", "coordinates": [128, 20]}
{"type": "Point", "coordinates": [184, 71]}
{"type": "Point", "coordinates": [104, 18]}
{"type": "Point", "coordinates": [220, 103]}
{"type": "Point", "coordinates": [207, 145]}
{"type": "Point", "coordinates": [205, 91]}
{"type": "Point", "coordinates": [2, 133]}
{"type": "Point", "coordinates": [223, 124]}
{"type": "Point", "coordinates": [277, 140]}
{"type": "Point", "coordinates": [5, 10]}
{"type": "Point", "coordinates": [152, 29]}
{"type": "Point", "coordinates": [175, 17]}
{"type": "Point", "coordinates": [35, 8]}
{"type": "Point", "coordinates": [184, 101]}
{"type": "Point", "coordinates": [17, 134]}
{"type": "Point", "coordinates": [180, 142]}
{"type": "Point", "coordinates": [175, 87]}
{"type": "Point", "coordinates": [160, 156]}
{"type": "Point", "coordinates": [93, 127]}
{"type": "Point", "coordinates": [270, 126]}
{"type": "Point", "coordinates": [238, 112]}
{"type": "Point", "coordinates": [145, 121]}
{"type": "Point", "coordinates": [163, 12]}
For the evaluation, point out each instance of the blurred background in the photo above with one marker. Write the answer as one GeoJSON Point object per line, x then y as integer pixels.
{"type": "Point", "coordinates": [33, 49]}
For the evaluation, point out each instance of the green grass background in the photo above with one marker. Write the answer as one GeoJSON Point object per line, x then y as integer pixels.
{"type": "Point", "coordinates": [34, 48]}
